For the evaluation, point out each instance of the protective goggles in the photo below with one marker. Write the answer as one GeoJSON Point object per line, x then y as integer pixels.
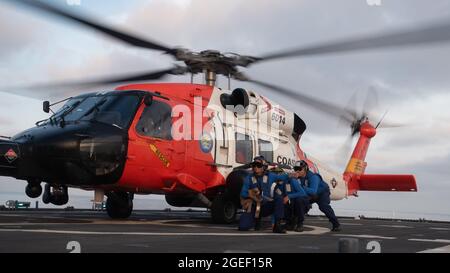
{"type": "Point", "coordinates": [297, 169]}
{"type": "Point", "coordinates": [257, 164]}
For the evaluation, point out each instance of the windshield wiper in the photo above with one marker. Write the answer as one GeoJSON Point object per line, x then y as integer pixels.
{"type": "Point", "coordinates": [94, 108]}
{"type": "Point", "coordinates": [60, 114]}
{"type": "Point", "coordinates": [67, 111]}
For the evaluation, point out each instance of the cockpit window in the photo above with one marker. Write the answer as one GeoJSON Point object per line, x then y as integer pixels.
{"type": "Point", "coordinates": [115, 109]}
{"type": "Point", "coordinates": [67, 107]}
{"type": "Point", "coordinates": [82, 108]}
{"type": "Point", "coordinates": [156, 121]}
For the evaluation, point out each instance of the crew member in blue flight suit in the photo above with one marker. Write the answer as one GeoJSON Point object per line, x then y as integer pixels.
{"type": "Point", "coordinates": [271, 193]}
{"type": "Point", "coordinates": [296, 202]}
{"type": "Point", "coordinates": [318, 192]}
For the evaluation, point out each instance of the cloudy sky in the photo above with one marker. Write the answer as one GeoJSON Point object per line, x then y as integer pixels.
{"type": "Point", "coordinates": [412, 83]}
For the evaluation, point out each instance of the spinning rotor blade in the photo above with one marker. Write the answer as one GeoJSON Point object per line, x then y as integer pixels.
{"type": "Point", "coordinates": [130, 78]}
{"type": "Point", "coordinates": [386, 124]}
{"type": "Point", "coordinates": [392, 125]}
{"type": "Point", "coordinates": [323, 106]}
{"type": "Point", "coordinates": [371, 102]}
{"type": "Point", "coordinates": [434, 33]}
{"type": "Point", "coordinates": [344, 151]}
{"type": "Point", "coordinates": [127, 38]}
{"type": "Point", "coordinates": [350, 107]}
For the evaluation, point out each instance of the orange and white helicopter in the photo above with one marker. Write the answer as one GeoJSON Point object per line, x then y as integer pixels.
{"type": "Point", "coordinates": [186, 141]}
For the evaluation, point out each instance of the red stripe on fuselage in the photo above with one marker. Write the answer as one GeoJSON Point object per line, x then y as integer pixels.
{"type": "Point", "coordinates": [157, 165]}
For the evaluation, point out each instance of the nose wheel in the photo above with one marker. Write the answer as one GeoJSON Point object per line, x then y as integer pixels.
{"type": "Point", "coordinates": [33, 189]}
{"type": "Point", "coordinates": [56, 195]}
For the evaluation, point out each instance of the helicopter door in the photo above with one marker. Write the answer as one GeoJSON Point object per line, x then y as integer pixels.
{"type": "Point", "coordinates": [221, 143]}
{"type": "Point", "coordinates": [243, 147]}
{"type": "Point", "coordinates": [154, 130]}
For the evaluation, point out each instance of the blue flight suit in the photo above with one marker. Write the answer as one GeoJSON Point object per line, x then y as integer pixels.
{"type": "Point", "coordinates": [298, 202]}
{"type": "Point", "coordinates": [272, 193]}
{"type": "Point", "coordinates": [319, 192]}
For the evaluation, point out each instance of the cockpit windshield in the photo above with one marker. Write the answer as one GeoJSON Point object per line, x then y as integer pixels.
{"type": "Point", "coordinates": [112, 108]}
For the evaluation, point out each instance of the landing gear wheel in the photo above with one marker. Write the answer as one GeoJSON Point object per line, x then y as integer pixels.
{"type": "Point", "coordinates": [223, 209]}
{"type": "Point", "coordinates": [59, 196]}
{"type": "Point", "coordinates": [47, 196]}
{"type": "Point", "coordinates": [33, 190]}
{"type": "Point", "coordinates": [119, 205]}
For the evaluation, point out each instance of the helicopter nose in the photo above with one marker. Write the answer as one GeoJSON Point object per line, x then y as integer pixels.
{"type": "Point", "coordinates": [9, 157]}
{"type": "Point", "coordinates": [79, 154]}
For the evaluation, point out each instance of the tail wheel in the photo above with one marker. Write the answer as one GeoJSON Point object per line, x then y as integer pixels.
{"type": "Point", "coordinates": [223, 209]}
{"type": "Point", "coordinates": [119, 205]}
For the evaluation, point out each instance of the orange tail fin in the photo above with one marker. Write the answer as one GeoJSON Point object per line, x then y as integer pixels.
{"type": "Point", "coordinates": [354, 172]}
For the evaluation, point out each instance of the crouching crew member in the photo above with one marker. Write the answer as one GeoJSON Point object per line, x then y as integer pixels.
{"type": "Point", "coordinates": [318, 192]}
{"type": "Point", "coordinates": [269, 188]}
{"type": "Point", "coordinates": [296, 202]}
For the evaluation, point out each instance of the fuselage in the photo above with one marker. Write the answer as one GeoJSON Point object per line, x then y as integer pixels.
{"type": "Point", "coordinates": [186, 141]}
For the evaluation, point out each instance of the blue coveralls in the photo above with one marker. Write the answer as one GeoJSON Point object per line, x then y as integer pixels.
{"type": "Point", "coordinates": [268, 186]}
{"type": "Point", "coordinates": [319, 191]}
{"type": "Point", "coordinates": [298, 201]}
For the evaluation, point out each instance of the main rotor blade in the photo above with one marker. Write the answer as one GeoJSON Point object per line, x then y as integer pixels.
{"type": "Point", "coordinates": [49, 88]}
{"type": "Point", "coordinates": [127, 38]}
{"type": "Point", "coordinates": [321, 105]}
{"type": "Point", "coordinates": [433, 33]}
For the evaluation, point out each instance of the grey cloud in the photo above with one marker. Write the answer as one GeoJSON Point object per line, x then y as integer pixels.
{"type": "Point", "coordinates": [18, 32]}
{"type": "Point", "coordinates": [4, 122]}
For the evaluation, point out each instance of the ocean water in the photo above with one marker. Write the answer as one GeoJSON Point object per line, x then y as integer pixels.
{"type": "Point", "coordinates": [153, 202]}
{"type": "Point", "coordinates": [157, 202]}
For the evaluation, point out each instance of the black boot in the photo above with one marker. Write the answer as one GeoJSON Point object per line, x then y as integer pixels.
{"type": "Point", "coordinates": [258, 224]}
{"type": "Point", "coordinates": [299, 228]}
{"type": "Point", "coordinates": [279, 228]}
{"type": "Point", "coordinates": [292, 225]}
{"type": "Point", "coordinates": [336, 227]}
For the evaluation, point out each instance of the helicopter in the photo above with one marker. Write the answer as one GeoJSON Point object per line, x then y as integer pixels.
{"type": "Point", "coordinates": [189, 142]}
